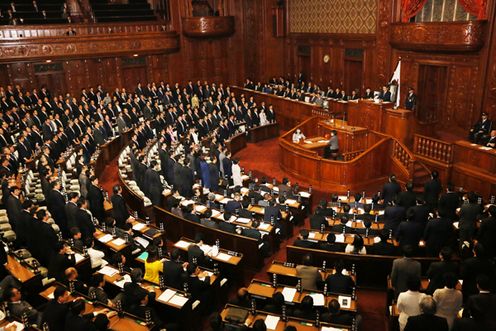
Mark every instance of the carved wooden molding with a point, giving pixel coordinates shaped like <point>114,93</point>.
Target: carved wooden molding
<point>438,36</point>
<point>86,45</point>
<point>208,26</point>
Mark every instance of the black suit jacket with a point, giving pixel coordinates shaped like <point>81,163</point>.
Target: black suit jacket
<point>436,273</point>
<point>304,243</point>
<point>339,283</point>
<point>96,199</point>
<point>389,191</point>
<point>119,211</point>
<point>58,264</point>
<point>79,323</point>
<point>56,206</point>
<point>55,315</point>
<point>71,210</point>
<point>174,274</point>
<point>85,224</point>
<point>426,322</point>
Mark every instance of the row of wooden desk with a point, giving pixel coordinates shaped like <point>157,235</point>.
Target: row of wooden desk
<point>253,135</point>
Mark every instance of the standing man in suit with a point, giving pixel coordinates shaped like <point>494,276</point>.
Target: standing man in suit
<point>309,275</point>
<point>57,309</point>
<point>14,206</point>
<point>119,209</point>
<point>71,209</point>
<point>153,183</point>
<point>411,100</point>
<point>469,213</point>
<point>390,189</point>
<point>56,207</point>
<point>404,268</point>
<point>85,221</point>
<point>449,202</point>
<point>96,199</point>
<point>427,321</point>
<point>483,302</point>
<point>385,95</point>
<point>432,189</point>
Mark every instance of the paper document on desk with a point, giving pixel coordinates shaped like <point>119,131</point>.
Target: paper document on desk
<point>264,226</point>
<point>288,294</point>
<point>105,239</point>
<point>311,235</point>
<point>78,257</point>
<point>344,301</point>
<point>138,226</point>
<point>187,202</point>
<point>223,257</point>
<point>243,220</point>
<point>182,244</point>
<point>330,328</point>
<point>219,197</point>
<point>206,249</point>
<point>304,194</point>
<point>124,280</point>
<point>119,242</point>
<point>142,241</point>
<point>340,238</point>
<point>485,148</point>
<point>271,322</point>
<point>166,295</point>
<point>216,213</point>
<point>108,271</point>
<point>178,300</point>
<point>308,142</point>
<point>200,208</point>
<point>290,201</point>
<point>342,198</point>
<point>349,224</point>
<point>318,299</point>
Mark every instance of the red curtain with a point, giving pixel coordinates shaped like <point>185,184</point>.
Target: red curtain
<point>475,7</point>
<point>410,8</point>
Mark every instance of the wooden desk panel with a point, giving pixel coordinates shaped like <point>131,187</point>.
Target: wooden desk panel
<point>263,132</point>
<point>236,143</point>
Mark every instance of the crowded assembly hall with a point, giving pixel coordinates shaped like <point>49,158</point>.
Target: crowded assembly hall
<point>231,165</point>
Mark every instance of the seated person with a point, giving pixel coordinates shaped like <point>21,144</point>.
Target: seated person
<point>196,286</point>
<point>195,254</point>
<point>242,299</point>
<point>330,244</point>
<point>342,227</point>
<point>234,205</point>
<point>303,241</point>
<point>339,282</point>
<point>309,275</point>
<point>335,315</point>
<point>208,221</point>
<point>298,136</point>
<point>383,247</point>
<point>133,292</point>
<point>173,270</point>
<point>305,309</point>
<point>96,256</point>
<point>317,220</point>
<point>492,139</point>
<point>19,307</point>
<point>76,320</point>
<point>153,266</point>
<point>140,310</point>
<point>96,291</point>
<point>479,134</point>
<point>357,247</point>
<point>71,276</point>
<point>57,309</point>
<point>59,262</point>
<point>275,303</point>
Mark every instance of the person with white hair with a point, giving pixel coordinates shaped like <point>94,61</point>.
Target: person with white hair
<point>298,136</point>
<point>427,320</point>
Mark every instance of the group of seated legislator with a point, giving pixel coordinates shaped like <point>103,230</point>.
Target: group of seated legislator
<point>300,90</point>
<point>455,226</point>
<point>483,132</point>
<point>33,120</point>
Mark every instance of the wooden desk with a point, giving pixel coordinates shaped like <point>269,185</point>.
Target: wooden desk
<point>280,269</point>
<point>110,244</point>
<point>19,271</point>
<point>124,323</point>
<point>184,243</point>
<point>236,143</point>
<point>474,168</point>
<point>263,132</point>
<point>265,290</point>
<point>301,325</point>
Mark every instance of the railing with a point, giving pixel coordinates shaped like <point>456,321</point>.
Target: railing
<point>433,149</point>
<point>321,112</point>
<point>58,30</point>
<point>404,157</point>
<point>351,155</point>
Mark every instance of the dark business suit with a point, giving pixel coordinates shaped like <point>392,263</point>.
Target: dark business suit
<point>174,274</point>
<point>71,210</point>
<point>403,269</point>
<point>85,224</point>
<point>96,200</point>
<point>468,215</point>
<point>58,264</point>
<point>339,283</point>
<point>153,186</point>
<point>54,315</point>
<point>426,322</point>
<point>119,211</point>
<point>436,273</point>
<point>432,189</point>
<point>56,206</point>
<point>389,191</point>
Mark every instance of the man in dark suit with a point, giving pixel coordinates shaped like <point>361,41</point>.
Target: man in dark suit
<point>197,287</point>
<point>432,189</point>
<point>410,231</point>
<point>57,309</point>
<point>119,209</point>
<point>317,221</point>
<point>56,206</point>
<point>302,240</point>
<point>469,213</point>
<point>487,232</point>
<point>14,206</point>
<point>64,259</point>
<point>479,133</point>
<point>437,270</point>
<point>411,100</point>
<point>407,198</point>
<point>153,184</point>
<point>71,209</point>
<point>427,321</point>
<point>449,202</point>
<point>383,247</point>
<point>195,254</point>
<point>96,199</point>
<point>133,292</point>
<point>385,95</point>
<point>483,303</point>
<point>472,268</point>
<point>235,204</point>
<point>173,270</point>
<point>438,233</point>
<point>76,320</point>
<point>339,283</point>
<point>330,244</point>
<point>390,189</point>
<point>393,216</point>
<point>335,315</point>
<point>404,268</point>
<point>84,220</point>
<point>19,308</point>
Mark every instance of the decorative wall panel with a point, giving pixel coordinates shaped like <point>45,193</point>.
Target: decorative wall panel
<point>332,16</point>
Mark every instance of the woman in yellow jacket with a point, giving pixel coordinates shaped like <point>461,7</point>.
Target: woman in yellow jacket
<point>153,266</point>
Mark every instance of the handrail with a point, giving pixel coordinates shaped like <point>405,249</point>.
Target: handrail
<point>432,148</point>
<point>403,155</point>
<point>77,29</point>
<point>351,155</point>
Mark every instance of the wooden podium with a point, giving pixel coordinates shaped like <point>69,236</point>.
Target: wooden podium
<point>381,117</point>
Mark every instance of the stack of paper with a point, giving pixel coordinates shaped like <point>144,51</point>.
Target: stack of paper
<point>138,226</point>
<point>330,328</point>
<point>304,194</point>
<point>78,257</point>
<point>318,299</point>
<point>178,300</point>
<point>243,220</point>
<point>124,280</point>
<point>288,294</point>
<point>264,226</point>
<point>108,271</point>
<point>377,240</point>
<point>166,295</point>
<point>290,201</point>
<point>271,322</point>
<point>182,244</point>
<point>118,242</point>
<point>206,248</point>
<point>105,239</point>
<point>200,209</point>
<point>340,238</point>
